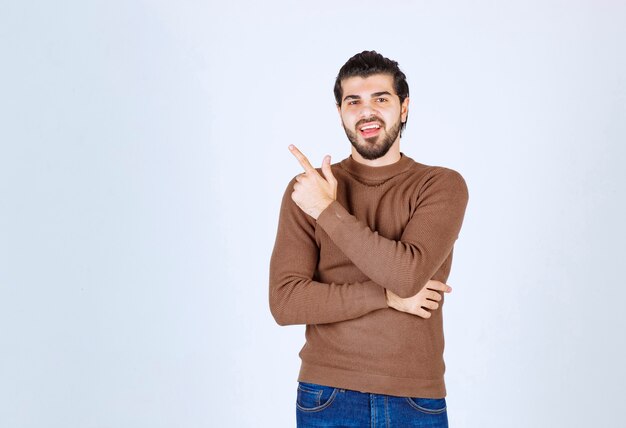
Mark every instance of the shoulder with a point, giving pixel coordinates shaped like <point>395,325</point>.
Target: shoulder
<point>439,178</point>
<point>448,174</point>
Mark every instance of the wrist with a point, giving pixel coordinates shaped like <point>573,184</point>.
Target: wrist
<point>392,300</point>
<point>395,302</point>
<point>321,207</point>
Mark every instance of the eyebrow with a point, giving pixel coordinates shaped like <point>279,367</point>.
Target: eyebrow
<point>378,94</point>
<point>374,95</point>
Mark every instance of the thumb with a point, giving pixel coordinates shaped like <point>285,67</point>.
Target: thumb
<point>328,173</point>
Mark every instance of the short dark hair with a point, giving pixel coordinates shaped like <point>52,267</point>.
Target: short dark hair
<point>368,63</point>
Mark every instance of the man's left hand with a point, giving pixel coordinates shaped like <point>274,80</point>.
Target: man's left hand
<point>312,192</point>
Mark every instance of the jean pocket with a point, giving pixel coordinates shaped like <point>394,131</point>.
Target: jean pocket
<point>431,406</point>
<point>312,397</point>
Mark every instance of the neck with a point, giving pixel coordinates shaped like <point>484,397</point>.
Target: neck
<point>391,157</point>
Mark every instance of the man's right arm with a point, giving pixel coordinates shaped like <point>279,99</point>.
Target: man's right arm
<point>295,298</point>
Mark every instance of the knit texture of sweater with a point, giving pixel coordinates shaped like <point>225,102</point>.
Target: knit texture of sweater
<point>391,227</point>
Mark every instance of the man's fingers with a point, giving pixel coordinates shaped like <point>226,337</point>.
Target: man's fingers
<point>433,295</point>
<point>304,162</point>
<point>328,173</point>
<point>423,313</point>
<point>429,304</point>
<point>438,286</point>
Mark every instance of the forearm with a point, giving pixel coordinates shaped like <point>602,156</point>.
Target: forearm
<point>303,301</point>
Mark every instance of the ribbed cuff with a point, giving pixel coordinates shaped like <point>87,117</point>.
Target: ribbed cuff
<point>332,217</point>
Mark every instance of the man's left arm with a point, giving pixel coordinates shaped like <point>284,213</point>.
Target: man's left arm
<point>402,266</point>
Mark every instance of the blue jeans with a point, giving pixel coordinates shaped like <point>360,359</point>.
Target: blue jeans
<point>326,406</point>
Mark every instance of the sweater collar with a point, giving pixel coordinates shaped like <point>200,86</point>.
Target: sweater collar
<point>377,173</point>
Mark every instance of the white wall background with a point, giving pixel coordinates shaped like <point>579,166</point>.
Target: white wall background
<point>143,157</point>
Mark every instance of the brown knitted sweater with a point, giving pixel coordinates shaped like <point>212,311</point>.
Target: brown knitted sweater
<point>391,227</point>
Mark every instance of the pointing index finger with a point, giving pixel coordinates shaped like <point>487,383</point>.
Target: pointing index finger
<point>304,162</point>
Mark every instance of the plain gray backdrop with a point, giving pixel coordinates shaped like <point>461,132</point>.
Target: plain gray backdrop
<point>144,154</point>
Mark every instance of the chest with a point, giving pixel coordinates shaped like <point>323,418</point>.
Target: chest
<point>385,209</point>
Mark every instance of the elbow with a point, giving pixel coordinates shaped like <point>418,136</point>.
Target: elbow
<point>282,322</point>
<point>286,303</point>
<point>283,319</point>
<point>406,293</point>
<point>279,316</point>
<point>410,277</point>
<point>277,309</point>
<point>410,286</point>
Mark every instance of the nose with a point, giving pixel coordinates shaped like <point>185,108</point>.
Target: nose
<point>367,110</point>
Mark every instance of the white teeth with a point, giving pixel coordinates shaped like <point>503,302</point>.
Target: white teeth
<point>365,128</point>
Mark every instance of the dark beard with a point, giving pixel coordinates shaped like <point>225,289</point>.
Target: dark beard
<point>373,149</point>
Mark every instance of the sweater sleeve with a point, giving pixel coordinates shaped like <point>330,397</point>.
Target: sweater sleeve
<point>295,298</point>
<point>406,265</point>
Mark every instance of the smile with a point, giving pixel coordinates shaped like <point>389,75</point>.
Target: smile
<point>369,130</point>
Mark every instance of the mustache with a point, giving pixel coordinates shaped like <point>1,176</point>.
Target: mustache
<point>369,120</point>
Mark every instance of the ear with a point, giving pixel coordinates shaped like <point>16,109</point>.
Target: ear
<point>404,112</point>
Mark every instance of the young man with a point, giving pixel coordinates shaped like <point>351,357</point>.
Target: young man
<point>362,253</point>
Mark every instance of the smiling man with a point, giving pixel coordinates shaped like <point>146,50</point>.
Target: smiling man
<point>362,254</point>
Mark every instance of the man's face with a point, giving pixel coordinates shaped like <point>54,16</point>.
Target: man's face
<point>371,114</point>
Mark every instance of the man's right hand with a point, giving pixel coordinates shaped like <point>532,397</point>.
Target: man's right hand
<point>420,304</point>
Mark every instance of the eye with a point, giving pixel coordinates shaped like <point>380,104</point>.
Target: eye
<point>381,100</point>
<point>353,102</point>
